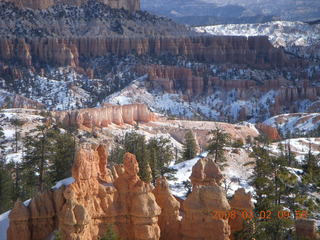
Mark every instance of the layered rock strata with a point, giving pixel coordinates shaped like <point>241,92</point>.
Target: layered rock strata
<point>254,51</point>
<point>193,82</point>
<point>130,5</point>
<point>104,116</point>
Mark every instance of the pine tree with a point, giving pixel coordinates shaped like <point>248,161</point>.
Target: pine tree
<point>189,146</point>
<point>217,143</point>
<point>62,155</point>
<point>17,127</point>
<point>5,188</point>
<point>48,157</point>
<point>311,169</point>
<point>37,154</point>
<point>276,189</point>
<point>161,154</point>
<point>155,154</point>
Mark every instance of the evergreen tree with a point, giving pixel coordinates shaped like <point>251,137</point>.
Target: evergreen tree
<point>116,154</point>
<point>1,138</point>
<point>17,127</point>
<point>276,189</point>
<point>62,155</point>
<point>161,155</point>
<point>217,143</point>
<point>5,188</point>
<point>153,156</point>
<point>311,169</point>
<point>36,161</point>
<point>189,146</point>
<point>48,157</point>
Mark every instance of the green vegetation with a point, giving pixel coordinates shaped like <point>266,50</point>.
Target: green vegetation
<point>216,145</point>
<point>277,189</point>
<point>154,154</point>
<point>48,153</point>
<point>189,146</point>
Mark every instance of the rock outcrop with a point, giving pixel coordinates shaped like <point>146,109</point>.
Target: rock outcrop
<point>306,229</point>
<point>198,222</point>
<point>169,222</point>
<point>86,208</point>
<point>131,5</point>
<point>254,51</point>
<point>102,117</point>
<point>19,223</point>
<point>242,204</point>
<point>138,209</point>
<point>193,82</point>
<point>270,132</point>
<point>207,197</point>
<point>38,220</point>
<point>206,173</point>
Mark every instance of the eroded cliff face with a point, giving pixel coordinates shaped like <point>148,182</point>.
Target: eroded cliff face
<point>96,200</point>
<point>253,51</point>
<point>131,5</point>
<point>99,198</point>
<point>104,116</point>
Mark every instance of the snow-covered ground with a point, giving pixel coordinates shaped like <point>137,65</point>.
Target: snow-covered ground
<point>299,146</point>
<point>29,119</point>
<point>281,33</point>
<point>236,174</point>
<point>295,123</point>
<point>219,106</point>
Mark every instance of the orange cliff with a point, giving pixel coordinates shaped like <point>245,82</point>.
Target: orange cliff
<point>255,51</point>
<point>99,198</point>
<point>104,116</point>
<point>96,200</point>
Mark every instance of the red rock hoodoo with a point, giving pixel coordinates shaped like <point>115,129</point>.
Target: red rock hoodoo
<point>98,199</point>
<point>307,228</point>
<point>94,201</point>
<point>169,222</point>
<point>206,198</point>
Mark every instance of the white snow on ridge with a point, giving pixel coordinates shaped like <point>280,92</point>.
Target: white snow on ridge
<point>295,122</point>
<point>184,170</point>
<point>280,33</point>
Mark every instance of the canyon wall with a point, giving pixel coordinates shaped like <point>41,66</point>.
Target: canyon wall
<point>171,79</point>
<point>253,51</point>
<point>102,117</point>
<point>200,82</point>
<point>131,5</point>
<point>98,199</point>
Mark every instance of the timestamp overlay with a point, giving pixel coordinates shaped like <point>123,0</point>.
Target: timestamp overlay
<point>261,215</point>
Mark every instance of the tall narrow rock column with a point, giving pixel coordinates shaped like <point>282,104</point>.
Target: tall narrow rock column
<point>200,221</point>
<point>169,222</point>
